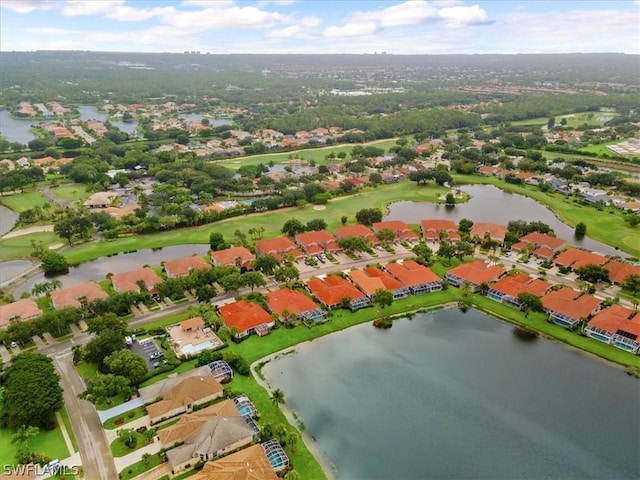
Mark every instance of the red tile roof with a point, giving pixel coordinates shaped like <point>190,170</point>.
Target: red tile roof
<point>576,258</point>
<point>289,300</point>
<point>496,232</point>
<point>126,282</point>
<point>244,315</point>
<point>617,318</point>
<point>332,289</point>
<point>190,324</point>
<point>431,229</point>
<point>619,271</point>
<point>412,273</point>
<point>22,309</point>
<point>184,266</point>
<point>371,279</point>
<point>278,247</point>
<point>321,238</point>
<point>513,285</point>
<point>542,239</point>
<point>355,231</point>
<point>567,302</point>
<point>229,256</point>
<point>400,228</point>
<point>68,297</point>
<point>477,272</point>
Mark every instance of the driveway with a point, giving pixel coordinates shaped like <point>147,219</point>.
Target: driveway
<point>120,409</point>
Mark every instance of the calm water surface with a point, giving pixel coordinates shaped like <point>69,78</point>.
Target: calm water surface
<point>12,268</point>
<point>460,396</point>
<point>490,204</point>
<point>8,219</point>
<point>16,130</point>
<point>88,112</point>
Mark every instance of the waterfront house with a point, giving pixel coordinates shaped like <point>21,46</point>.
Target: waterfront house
<point>287,303</point>
<point>176,395</point>
<point>543,245</point>
<point>278,247</point>
<point>77,296</point>
<point>619,271</point>
<point>617,326</point>
<point>494,231</point>
<point>184,266</point>
<point>234,256</point>
<point>22,310</point>
<point>433,230</point>
<point>130,281</point>
<point>507,289</point>
<point>247,317</point>
<point>574,258</point>
<point>415,276</point>
<point>372,279</point>
<point>567,308</point>
<point>250,463</point>
<point>316,242</point>
<point>475,273</point>
<point>401,230</point>
<point>332,289</point>
<point>357,231</point>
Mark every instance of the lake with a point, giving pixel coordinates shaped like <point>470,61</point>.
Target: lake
<point>8,219</point>
<point>99,268</point>
<point>16,130</point>
<point>213,122</point>
<point>13,268</point>
<point>452,395</point>
<point>490,204</point>
<point>89,112</point>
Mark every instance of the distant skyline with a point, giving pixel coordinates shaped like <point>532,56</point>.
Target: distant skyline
<point>322,26</point>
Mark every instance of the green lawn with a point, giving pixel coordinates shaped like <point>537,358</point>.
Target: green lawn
<point>369,197</point>
<point>602,226</point>
<point>139,467</point>
<point>20,247</point>
<point>119,449</point>
<point>23,201</point>
<point>600,149</point>
<point>67,424</point>
<point>71,192</point>
<point>51,443</point>
<point>137,413</point>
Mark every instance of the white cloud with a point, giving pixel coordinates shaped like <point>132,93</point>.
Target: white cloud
<point>302,29</point>
<point>224,18</point>
<point>412,12</point>
<point>207,3</point>
<point>73,8</point>
<point>464,15</point>
<point>27,6</point>
<point>351,30</point>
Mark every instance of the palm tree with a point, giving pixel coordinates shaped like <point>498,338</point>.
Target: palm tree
<point>466,289</point>
<point>147,458</point>
<point>24,433</point>
<point>277,397</point>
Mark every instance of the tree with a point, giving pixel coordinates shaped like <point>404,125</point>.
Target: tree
<point>375,178</point>
<point>423,252</point>
<point>593,273</point>
<point>441,177</point>
<point>316,224</point>
<point>103,345</point>
<point>292,227</point>
<point>420,176</point>
<point>24,433</point>
<point>530,301</point>
<point>146,457</point>
<point>450,200</point>
<point>632,219</point>
<point>447,249</point>
<point>265,264</point>
<point>353,244</point>
<point>277,397</point>
<point>253,280</point>
<point>383,297</point>
<point>632,283</point>
<point>217,241</point>
<point>343,220</point>
<point>286,274</point>
<point>368,216</point>
<point>127,364</point>
<point>32,393</point>
<point>107,322</point>
<point>551,123</point>
<point>231,282</point>
<point>465,225</point>
<point>53,263</point>
<point>104,387</point>
<point>385,235</point>
<point>128,437</point>
<point>581,230</point>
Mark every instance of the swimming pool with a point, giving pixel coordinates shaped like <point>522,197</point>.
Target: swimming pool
<point>190,348</point>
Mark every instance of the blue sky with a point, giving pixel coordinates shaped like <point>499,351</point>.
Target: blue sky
<point>322,26</point>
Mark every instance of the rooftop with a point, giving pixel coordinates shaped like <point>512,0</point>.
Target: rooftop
<point>244,315</point>
<point>411,273</point>
<point>372,279</point>
<point>542,239</point>
<point>232,256</point>
<point>289,300</point>
<point>22,309</point>
<point>332,289</point>
<point>515,284</point>
<point>354,231</point>
<point>495,231</point>
<point>127,281</point>
<point>247,464</point>
<point>184,266</point>
<point>477,272</point>
<point>619,271</point>
<point>77,295</point>
<point>617,318</point>
<point>576,258</point>
<point>567,301</point>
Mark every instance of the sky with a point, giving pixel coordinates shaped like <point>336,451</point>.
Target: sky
<point>322,26</point>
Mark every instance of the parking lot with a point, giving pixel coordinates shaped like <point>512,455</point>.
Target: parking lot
<point>148,350</point>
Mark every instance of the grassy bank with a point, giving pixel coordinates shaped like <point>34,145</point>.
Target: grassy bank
<point>71,192</point>
<point>23,201</point>
<point>20,247</point>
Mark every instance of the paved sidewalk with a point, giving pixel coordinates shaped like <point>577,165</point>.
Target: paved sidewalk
<point>112,433</point>
<point>120,409</point>
<point>123,462</point>
<point>65,434</point>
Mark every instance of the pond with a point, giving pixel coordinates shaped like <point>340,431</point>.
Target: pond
<point>213,122</point>
<point>123,262</point>
<point>452,395</point>
<point>88,112</point>
<point>490,204</point>
<point>13,268</point>
<point>8,219</point>
<point>16,130</point>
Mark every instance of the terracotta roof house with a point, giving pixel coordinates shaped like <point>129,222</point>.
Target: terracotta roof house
<point>475,273</point>
<point>619,271</point>
<point>432,229</point>
<point>372,279</point>
<point>213,439</point>
<point>250,463</point>
<point>545,246</point>
<point>234,256</point>
<point>127,281</point>
<point>496,232</point>
<point>77,295</point>
<point>331,289</point>
<point>575,258</point>
<point>507,289</point>
<point>278,247</point>
<point>192,324</point>
<point>100,200</point>
<point>180,394</point>
<point>295,303</point>
<point>317,242</point>
<point>617,326</point>
<point>400,228</point>
<point>184,266</point>
<point>22,310</point>
<point>415,276</point>
<point>567,308</point>
<point>247,317</point>
<point>356,231</point>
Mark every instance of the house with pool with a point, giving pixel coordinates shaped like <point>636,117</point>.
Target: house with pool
<point>192,336</point>
<point>372,279</point>
<point>417,277</point>
<point>257,462</point>
<point>474,273</point>
<point>294,306</point>
<point>507,289</point>
<point>247,318</point>
<point>568,307</point>
<point>542,245</point>
<point>617,326</point>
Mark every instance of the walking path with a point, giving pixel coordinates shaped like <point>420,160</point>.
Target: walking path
<point>120,409</point>
<point>112,433</point>
<point>65,434</point>
<point>28,230</point>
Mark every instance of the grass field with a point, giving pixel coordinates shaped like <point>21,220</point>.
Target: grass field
<point>600,149</point>
<point>20,247</point>
<point>139,412</point>
<point>119,449</point>
<point>369,197</point>
<point>51,443</point>
<point>139,467</point>
<point>573,119</point>
<point>23,201</point>
<point>71,192</point>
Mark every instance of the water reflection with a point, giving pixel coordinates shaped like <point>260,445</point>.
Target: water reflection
<point>16,130</point>
<point>88,112</point>
<point>490,204</point>
<point>12,269</point>
<point>8,219</point>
